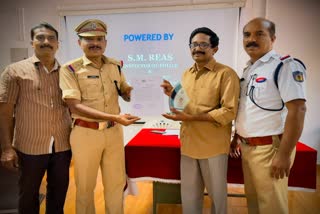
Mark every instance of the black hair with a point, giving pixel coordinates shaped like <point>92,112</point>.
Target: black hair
<point>214,39</point>
<point>43,25</point>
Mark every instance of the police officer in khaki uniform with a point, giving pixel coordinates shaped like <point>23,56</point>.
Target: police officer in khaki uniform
<point>91,86</point>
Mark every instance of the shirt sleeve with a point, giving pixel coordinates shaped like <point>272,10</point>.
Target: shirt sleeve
<point>292,81</point>
<point>124,85</point>
<point>69,84</point>
<point>9,87</point>
<point>229,98</point>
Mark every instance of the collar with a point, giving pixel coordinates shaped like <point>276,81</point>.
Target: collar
<point>87,61</point>
<point>56,65</point>
<point>266,57</point>
<point>36,61</point>
<point>209,66</point>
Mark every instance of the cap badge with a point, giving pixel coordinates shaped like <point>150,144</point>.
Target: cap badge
<point>93,26</point>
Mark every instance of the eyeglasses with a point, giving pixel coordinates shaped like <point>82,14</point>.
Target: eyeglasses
<point>202,45</point>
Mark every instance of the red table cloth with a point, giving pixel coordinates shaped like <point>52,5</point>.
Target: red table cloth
<point>157,157</point>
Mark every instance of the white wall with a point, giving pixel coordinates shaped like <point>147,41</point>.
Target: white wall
<point>298,32</point>
<point>297,24</point>
<point>18,16</point>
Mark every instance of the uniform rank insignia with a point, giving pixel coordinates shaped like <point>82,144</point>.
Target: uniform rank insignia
<point>298,76</point>
<point>71,68</point>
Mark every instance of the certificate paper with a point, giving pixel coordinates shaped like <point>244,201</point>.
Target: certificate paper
<point>146,95</point>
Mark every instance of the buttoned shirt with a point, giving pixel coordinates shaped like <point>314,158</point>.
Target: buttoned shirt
<point>40,113</point>
<point>253,121</point>
<point>94,87</point>
<point>214,90</point>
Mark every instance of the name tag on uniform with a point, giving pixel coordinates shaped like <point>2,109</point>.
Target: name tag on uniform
<point>93,77</point>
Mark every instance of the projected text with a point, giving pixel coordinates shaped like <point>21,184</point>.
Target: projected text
<point>143,37</point>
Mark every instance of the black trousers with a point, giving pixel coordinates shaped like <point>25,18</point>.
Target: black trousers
<point>32,169</point>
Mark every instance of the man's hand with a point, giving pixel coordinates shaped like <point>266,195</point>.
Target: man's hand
<point>126,119</point>
<point>280,166</point>
<point>9,159</point>
<point>235,147</point>
<point>167,87</point>
<point>177,115</point>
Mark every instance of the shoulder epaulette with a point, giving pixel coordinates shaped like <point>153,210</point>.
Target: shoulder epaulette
<point>74,65</point>
<point>71,68</point>
<point>114,61</point>
<point>283,60</point>
<point>118,63</point>
<point>284,57</point>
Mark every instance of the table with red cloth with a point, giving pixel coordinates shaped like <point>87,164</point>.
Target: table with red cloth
<point>157,156</point>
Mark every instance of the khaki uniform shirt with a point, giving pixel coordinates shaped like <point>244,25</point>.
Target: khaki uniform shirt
<point>213,90</point>
<point>94,87</point>
<point>39,111</point>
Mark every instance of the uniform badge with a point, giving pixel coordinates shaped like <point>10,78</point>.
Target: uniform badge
<point>298,76</point>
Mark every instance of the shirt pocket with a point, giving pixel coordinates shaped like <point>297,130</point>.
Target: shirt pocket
<point>260,90</point>
<point>90,86</point>
<point>207,97</point>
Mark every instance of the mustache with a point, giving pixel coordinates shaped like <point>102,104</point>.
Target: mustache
<point>252,44</point>
<point>95,47</point>
<point>198,52</point>
<point>46,46</point>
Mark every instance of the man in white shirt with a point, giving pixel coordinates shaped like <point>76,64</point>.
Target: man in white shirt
<point>270,119</point>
